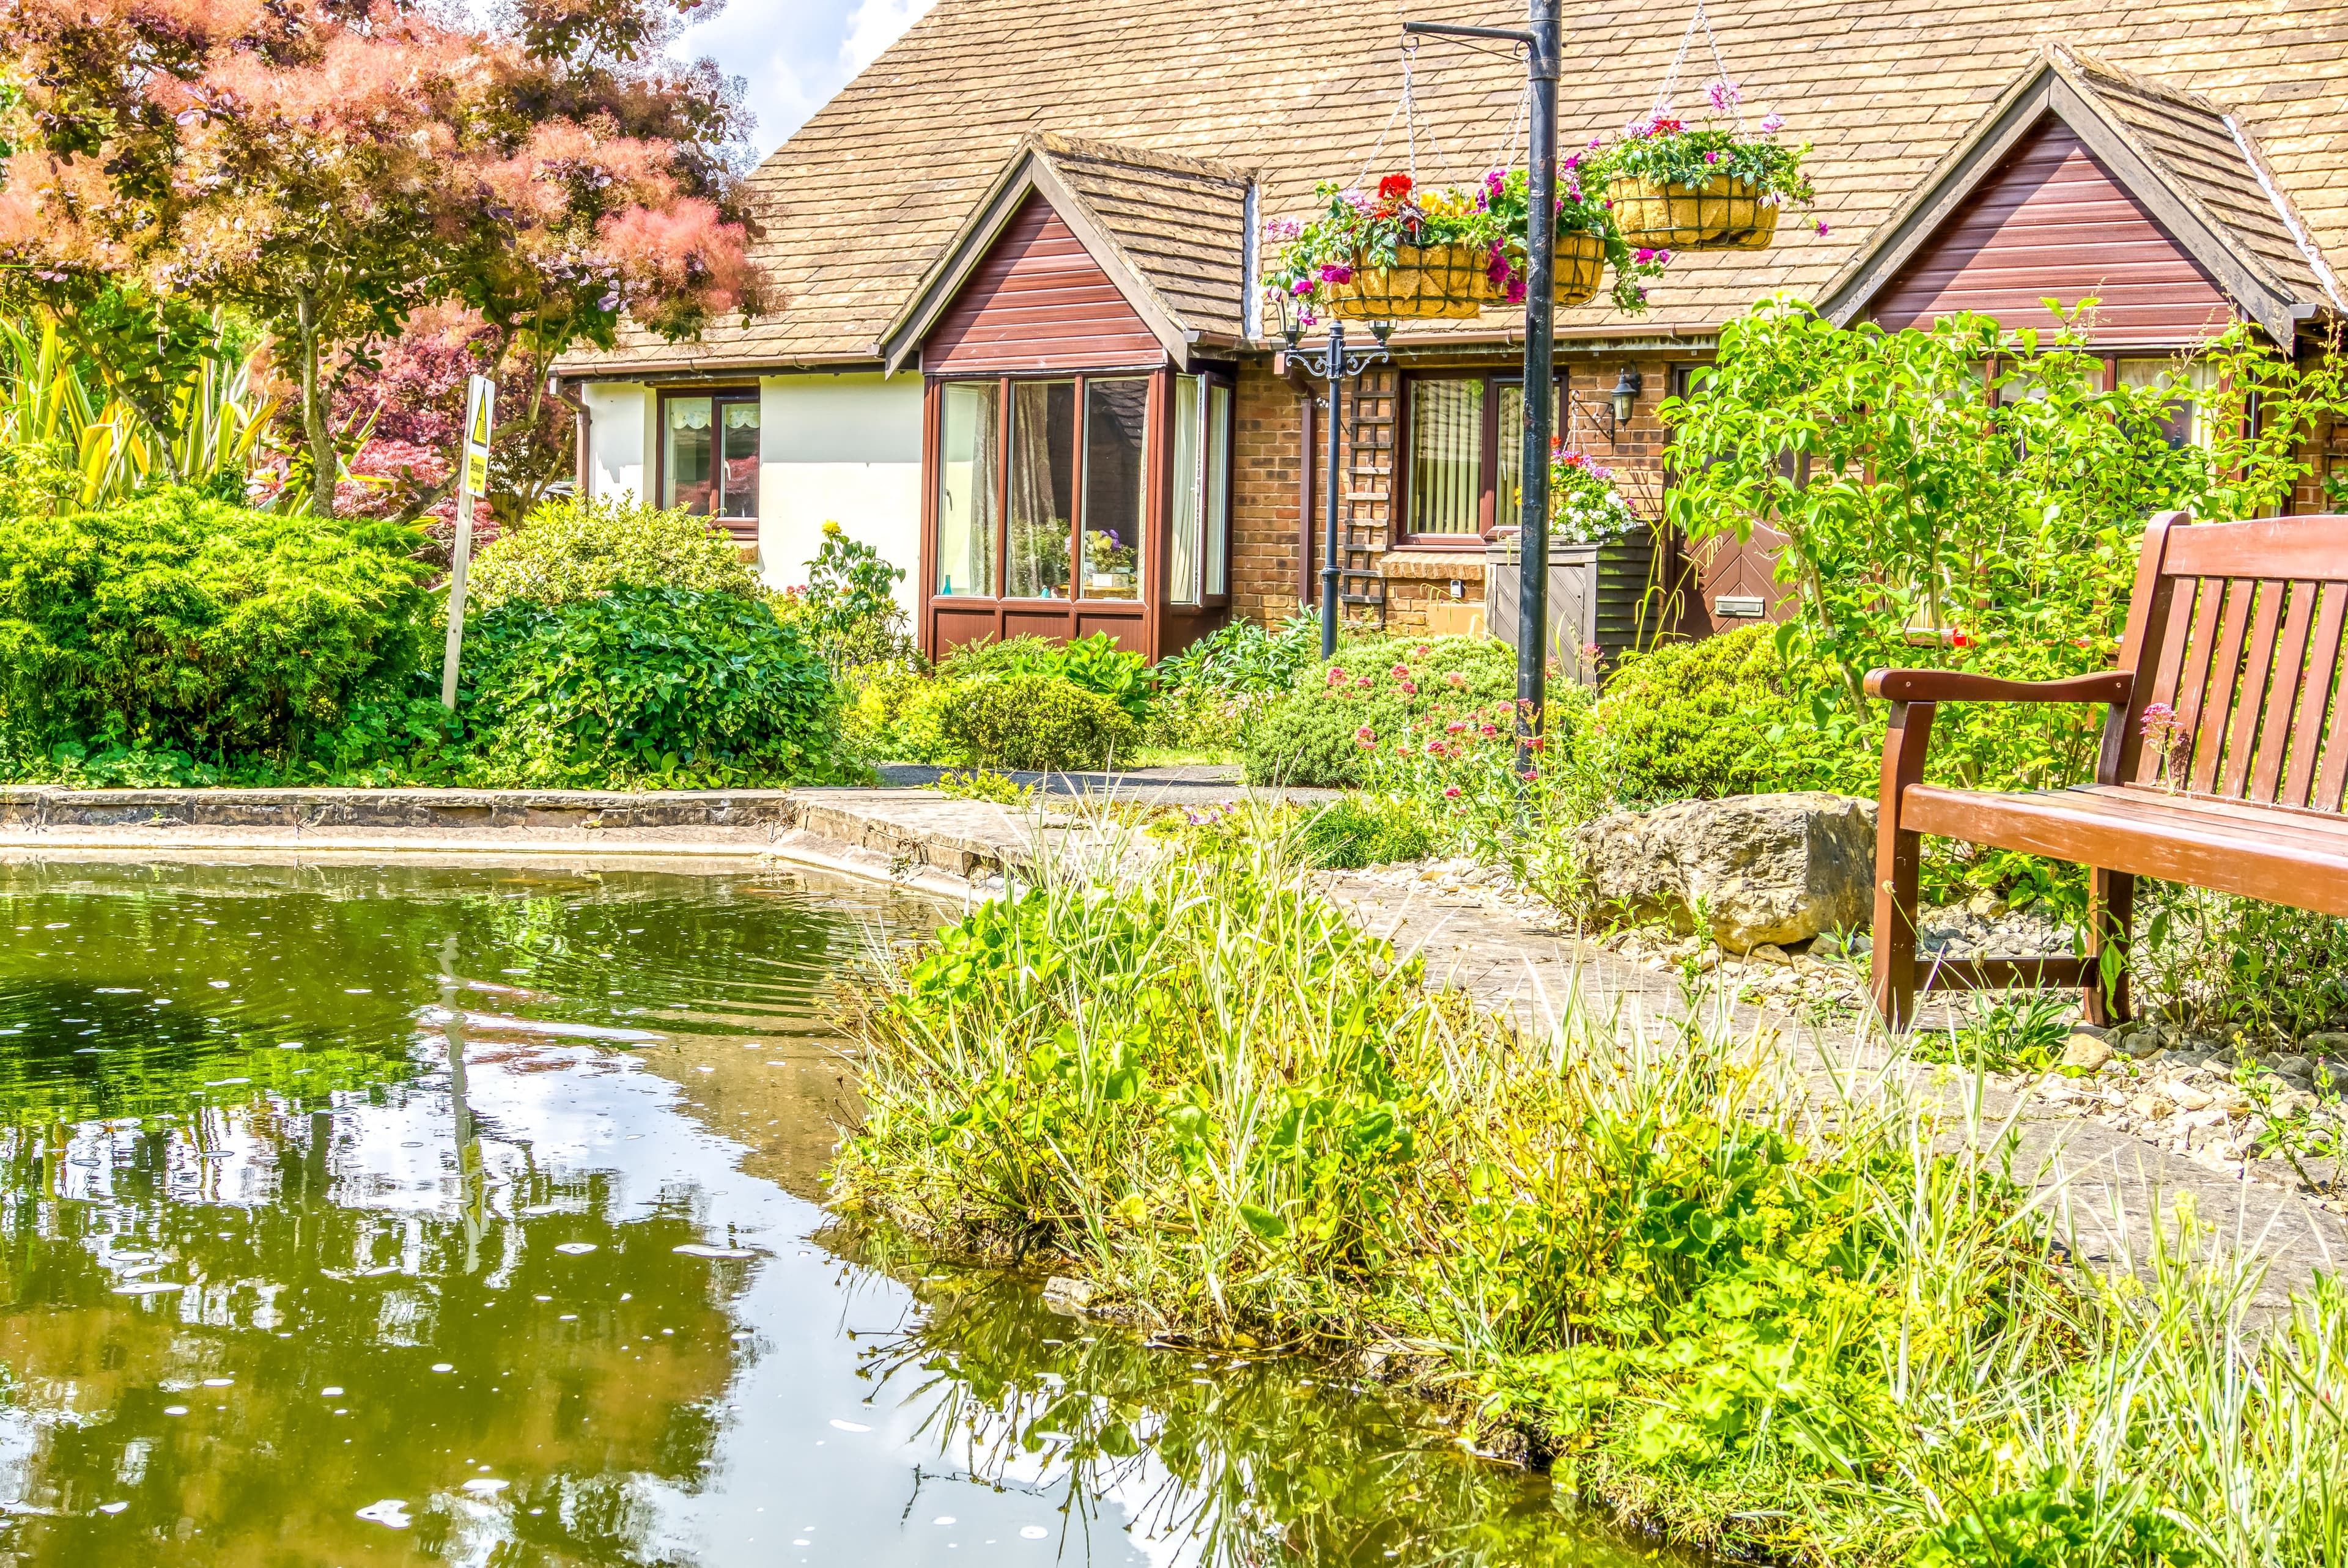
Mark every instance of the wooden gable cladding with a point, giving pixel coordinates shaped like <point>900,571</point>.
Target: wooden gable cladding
<point>1038,303</point>
<point>2052,222</point>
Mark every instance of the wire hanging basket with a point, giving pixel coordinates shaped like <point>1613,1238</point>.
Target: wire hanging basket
<point>1719,215</point>
<point>1427,282</point>
<point>1580,268</point>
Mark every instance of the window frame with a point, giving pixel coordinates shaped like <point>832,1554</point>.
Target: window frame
<point>1208,377</point>
<point>718,397</point>
<point>1487,523</point>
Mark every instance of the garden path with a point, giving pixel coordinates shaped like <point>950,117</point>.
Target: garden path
<point>2116,1182</point>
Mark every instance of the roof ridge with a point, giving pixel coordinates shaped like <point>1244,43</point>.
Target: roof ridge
<point>1060,145</point>
<point>2063,57</point>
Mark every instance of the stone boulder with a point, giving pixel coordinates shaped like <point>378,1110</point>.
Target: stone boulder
<point>1765,868</point>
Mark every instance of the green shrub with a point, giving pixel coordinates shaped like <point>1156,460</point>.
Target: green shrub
<point>651,686</point>
<point>1242,659</point>
<point>1365,830</point>
<point>177,622</point>
<point>1096,663</point>
<point>1320,732</point>
<point>848,606</point>
<point>1711,718</point>
<point>893,714</point>
<point>575,549</point>
<point>1038,722</point>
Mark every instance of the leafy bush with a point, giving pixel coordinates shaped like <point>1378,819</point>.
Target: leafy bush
<point>849,606</point>
<point>1711,718</point>
<point>177,622</point>
<point>576,549</point>
<point>652,686</point>
<point>1038,722</point>
<point>893,715</point>
<point>1365,830</point>
<point>1366,697</point>
<point>1096,663</point>
<point>1242,659</point>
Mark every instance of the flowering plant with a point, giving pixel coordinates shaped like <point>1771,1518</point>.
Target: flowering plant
<point>1582,501</point>
<point>1664,149</point>
<point>1579,211</point>
<point>1358,228</point>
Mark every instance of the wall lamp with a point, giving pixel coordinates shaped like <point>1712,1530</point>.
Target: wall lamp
<point>1625,395</point>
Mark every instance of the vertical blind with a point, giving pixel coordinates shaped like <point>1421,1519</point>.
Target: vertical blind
<point>1447,456</point>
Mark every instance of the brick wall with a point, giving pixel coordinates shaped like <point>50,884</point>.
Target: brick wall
<point>1266,496</point>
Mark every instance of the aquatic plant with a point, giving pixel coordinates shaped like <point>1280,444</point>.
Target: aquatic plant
<point>1766,1309</point>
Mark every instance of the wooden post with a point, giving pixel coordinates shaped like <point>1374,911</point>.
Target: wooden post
<point>472,483</point>
<point>1897,857</point>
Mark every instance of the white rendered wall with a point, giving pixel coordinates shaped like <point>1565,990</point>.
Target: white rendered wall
<point>620,438</point>
<point>846,449</point>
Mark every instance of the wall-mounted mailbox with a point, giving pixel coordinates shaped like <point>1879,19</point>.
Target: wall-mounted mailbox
<point>1740,606</point>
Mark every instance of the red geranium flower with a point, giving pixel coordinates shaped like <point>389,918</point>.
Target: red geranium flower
<point>1394,187</point>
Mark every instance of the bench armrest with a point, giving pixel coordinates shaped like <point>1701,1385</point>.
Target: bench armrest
<point>2113,686</point>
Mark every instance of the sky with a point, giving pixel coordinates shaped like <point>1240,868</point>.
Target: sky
<point>795,54</point>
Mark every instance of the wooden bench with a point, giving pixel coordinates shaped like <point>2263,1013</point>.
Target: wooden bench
<point>2236,629</point>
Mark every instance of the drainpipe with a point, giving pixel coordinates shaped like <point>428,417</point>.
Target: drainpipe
<point>584,426</point>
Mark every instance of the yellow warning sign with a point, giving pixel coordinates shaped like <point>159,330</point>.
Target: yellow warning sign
<point>480,417</point>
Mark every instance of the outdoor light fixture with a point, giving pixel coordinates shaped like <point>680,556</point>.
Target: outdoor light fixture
<point>1626,397</point>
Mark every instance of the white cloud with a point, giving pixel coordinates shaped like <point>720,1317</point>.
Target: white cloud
<point>875,25</point>
<point>794,54</point>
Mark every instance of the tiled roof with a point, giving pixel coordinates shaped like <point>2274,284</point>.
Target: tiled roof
<point>2196,144</point>
<point>860,202</point>
<point>1182,224</point>
<point>1171,230</point>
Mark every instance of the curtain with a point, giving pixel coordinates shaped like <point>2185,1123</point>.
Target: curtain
<point>1446,455</point>
<point>1040,538</point>
<point>1182,556</point>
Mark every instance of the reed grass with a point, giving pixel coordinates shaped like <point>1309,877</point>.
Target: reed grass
<point>1821,1318</point>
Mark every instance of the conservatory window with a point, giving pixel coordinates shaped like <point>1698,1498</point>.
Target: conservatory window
<point>1117,427</point>
<point>709,454</point>
<point>1198,562</point>
<point>969,445</point>
<point>1043,487</point>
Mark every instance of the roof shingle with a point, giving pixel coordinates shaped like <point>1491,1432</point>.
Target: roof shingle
<point>859,204</point>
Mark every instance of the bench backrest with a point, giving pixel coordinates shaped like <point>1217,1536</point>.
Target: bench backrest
<point>2236,629</point>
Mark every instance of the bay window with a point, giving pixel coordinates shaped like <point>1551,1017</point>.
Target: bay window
<point>1055,475</point>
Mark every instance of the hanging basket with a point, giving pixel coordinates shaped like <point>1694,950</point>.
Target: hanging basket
<point>1580,268</point>
<point>1445,283</point>
<point>1719,215</point>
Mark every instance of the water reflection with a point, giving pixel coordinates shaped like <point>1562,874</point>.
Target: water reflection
<point>470,1222</point>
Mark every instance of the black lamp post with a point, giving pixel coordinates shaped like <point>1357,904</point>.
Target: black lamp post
<point>1332,364</point>
<point>1543,44</point>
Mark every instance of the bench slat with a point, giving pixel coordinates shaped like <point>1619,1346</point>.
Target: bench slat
<point>2289,672</point>
<point>2193,676</point>
<point>2249,698</point>
<point>2308,869</point>
<point>2315,698</point>
<point>2314,548</point>
<point>2217,684</point>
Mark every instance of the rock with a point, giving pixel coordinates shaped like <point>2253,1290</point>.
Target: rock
<point>1064,1294</point>
<point>2329,1043</point>
<point>1826,946</point>
<point>2190,1097</point>
<point>1767,869</point>
<point>1769,953</point>
<point>2087,1050</point>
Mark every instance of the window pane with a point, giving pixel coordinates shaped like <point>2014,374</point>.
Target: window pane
<point>968,443</point>
<point>1117,427</point>
<point>739,495</point>
<point>1447,456</point>
<point>1508,502</point>
<point>1182,545</point>
<point>686,457</point>
<point>2186,425</point>
<point>1219,488</point>
<point>1043,484</point>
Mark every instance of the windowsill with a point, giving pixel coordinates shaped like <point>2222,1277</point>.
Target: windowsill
<point>1418,561</point>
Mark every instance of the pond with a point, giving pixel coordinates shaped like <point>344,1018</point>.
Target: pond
<point>471,1216</point>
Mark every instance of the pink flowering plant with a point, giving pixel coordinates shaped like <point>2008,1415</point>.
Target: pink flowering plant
<point>1664,149</point>
<point>1357,228</point>
<point>1583,503</point>
<point>1581,209</point>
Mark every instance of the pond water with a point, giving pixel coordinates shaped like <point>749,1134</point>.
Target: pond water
<point>471,1215</point>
